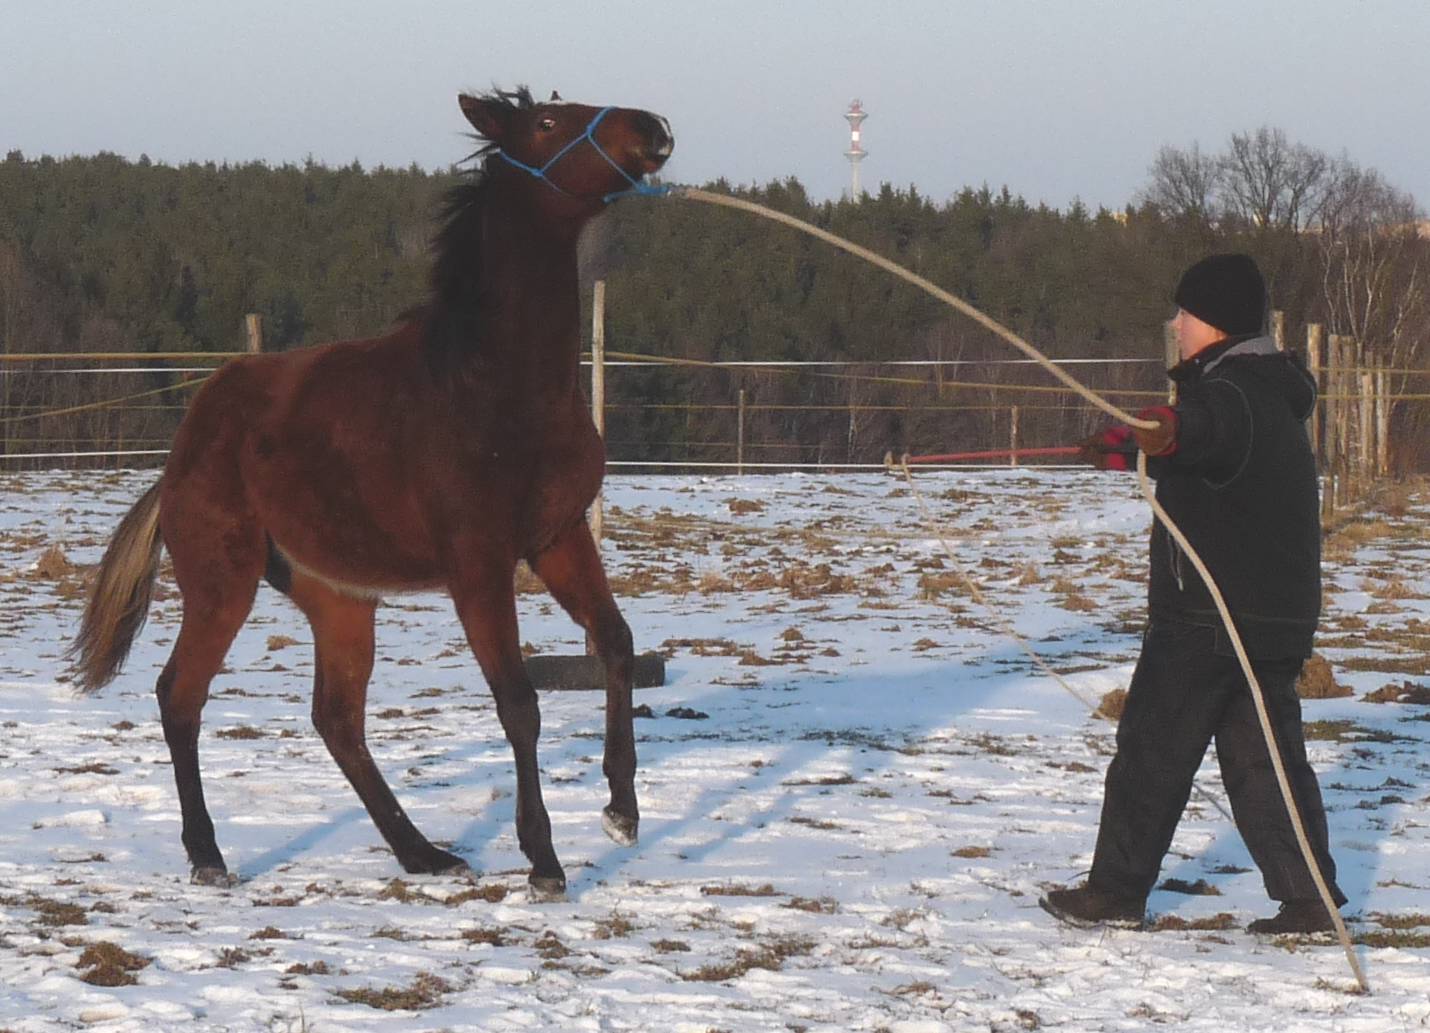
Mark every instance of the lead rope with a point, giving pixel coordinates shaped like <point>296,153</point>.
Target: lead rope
<point>1027,349</point>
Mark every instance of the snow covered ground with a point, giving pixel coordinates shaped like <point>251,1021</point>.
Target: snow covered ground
<point>848,829</point>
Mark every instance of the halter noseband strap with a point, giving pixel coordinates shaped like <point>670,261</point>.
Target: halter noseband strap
<point>589,136</point>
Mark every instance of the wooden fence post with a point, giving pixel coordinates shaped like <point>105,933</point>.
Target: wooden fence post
<point>1013,436</point>
<point>1278,329</point>
<point>598,390</point>
<point>740,435</point>
<point>253,325</point>
<point>1366,405</point>
<point>1314,335</point>
<point>1172,354</point>
<point>1330,419</point>
<point>1350,364</point>
<point>1345,426</point>
<point>1382,420</point>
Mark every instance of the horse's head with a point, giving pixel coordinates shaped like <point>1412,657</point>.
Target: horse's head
<point>584,154</point>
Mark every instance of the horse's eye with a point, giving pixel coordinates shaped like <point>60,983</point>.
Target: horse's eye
<point>546,124</point>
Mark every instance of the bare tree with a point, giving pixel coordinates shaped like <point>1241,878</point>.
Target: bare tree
<point>1272,183</point>
<point>1374,268</point>
<point>1185,183</point>
<point>1373,264</point>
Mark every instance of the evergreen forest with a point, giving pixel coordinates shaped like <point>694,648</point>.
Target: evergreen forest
<point>101,254</point>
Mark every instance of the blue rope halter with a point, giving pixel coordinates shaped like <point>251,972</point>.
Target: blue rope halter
<point>589,136</point>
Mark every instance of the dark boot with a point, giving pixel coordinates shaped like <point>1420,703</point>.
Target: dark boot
<point>1295,916</point>
<point>1086,907</point>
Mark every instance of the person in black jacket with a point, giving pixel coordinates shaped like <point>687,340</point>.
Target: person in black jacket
<point>1234,470</point>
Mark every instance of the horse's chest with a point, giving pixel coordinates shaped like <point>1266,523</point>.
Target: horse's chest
<point>565,478</point>
<point>545,479</point>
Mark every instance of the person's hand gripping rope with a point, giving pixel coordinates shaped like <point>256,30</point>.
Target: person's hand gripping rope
<point>1115,447</point>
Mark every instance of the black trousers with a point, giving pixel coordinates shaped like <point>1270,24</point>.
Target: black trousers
<point>1184,694</point>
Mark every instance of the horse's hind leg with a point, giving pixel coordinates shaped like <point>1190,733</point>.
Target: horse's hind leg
<point>218,575</point>
<point>571,569</point>
<point>486,605</point>
<point>343,640</point>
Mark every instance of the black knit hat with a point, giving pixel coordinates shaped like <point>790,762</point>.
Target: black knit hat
<point>1226,291</point>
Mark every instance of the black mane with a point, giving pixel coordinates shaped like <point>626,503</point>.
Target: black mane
<point>453,323</point>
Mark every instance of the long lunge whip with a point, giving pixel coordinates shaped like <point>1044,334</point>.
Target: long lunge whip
<point>955,302</point>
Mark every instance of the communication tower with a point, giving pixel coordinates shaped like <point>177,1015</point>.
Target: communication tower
<point>856,152</point>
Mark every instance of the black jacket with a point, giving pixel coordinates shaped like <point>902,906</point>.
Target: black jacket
<point>1242,486</point>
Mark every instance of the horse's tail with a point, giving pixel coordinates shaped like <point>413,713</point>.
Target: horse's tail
<point>119,602</point>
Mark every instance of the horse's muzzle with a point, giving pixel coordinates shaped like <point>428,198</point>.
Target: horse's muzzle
<point>659,140</point>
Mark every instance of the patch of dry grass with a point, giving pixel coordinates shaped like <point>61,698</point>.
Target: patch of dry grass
<point>1112,705</point>
<point>481,934</point>
<point>110,965</point>
<point>770,956</point>
<point>700,646</point>
<point>53,564</point>
<point>239,732</point>
<point>1404,939</point>
<point>1406,692</point>
<point>1410,921</point>
<point>425,991</point>
<point>1200,888</point>
<point>492,893</point>
<point>738,889</point>
<point>49,912</point>
<point>550,947</point>
<point>1390,589</point>
<point>823,780</point>
<point>815,823</point>
<point>1346,731</point>
<point>1413,665</point>
<point>813,905</point>
<point>617,927</point>
<point>1318,681</point>
<point>1070,597</point>
<point>1174,923</point>
<point>972,852</point>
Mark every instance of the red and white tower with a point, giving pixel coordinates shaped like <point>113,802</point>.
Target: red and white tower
<point>856,152</point>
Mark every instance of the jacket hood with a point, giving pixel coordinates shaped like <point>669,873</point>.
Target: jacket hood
<point>1282,370</point>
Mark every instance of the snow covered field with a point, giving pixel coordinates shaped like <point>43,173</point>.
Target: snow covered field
<point>846,827</point>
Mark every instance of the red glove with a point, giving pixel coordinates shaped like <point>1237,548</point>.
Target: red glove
<point>1109,449</point>
<point>1160,440</point>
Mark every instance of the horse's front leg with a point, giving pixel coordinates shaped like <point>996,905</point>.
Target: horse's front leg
<point>343,643</point>
<point>571,569</point>
<point>486,605</point>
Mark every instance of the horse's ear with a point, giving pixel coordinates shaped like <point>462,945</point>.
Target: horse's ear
<point>555,98</point>
<point>488,117</point>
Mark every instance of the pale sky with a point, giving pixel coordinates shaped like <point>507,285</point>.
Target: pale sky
<point>1057,99</point>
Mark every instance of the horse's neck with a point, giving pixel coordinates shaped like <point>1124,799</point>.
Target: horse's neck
<point>529,282</point>
<point>526,306</point>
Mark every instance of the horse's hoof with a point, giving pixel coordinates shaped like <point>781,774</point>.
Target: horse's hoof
<point>619,827</point>
<point>445,863</point>
<point>437,862</point>
<point>548,887</point>
<point>212,875</point>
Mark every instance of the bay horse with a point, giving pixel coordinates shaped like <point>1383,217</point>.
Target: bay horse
<point>435,457</point>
